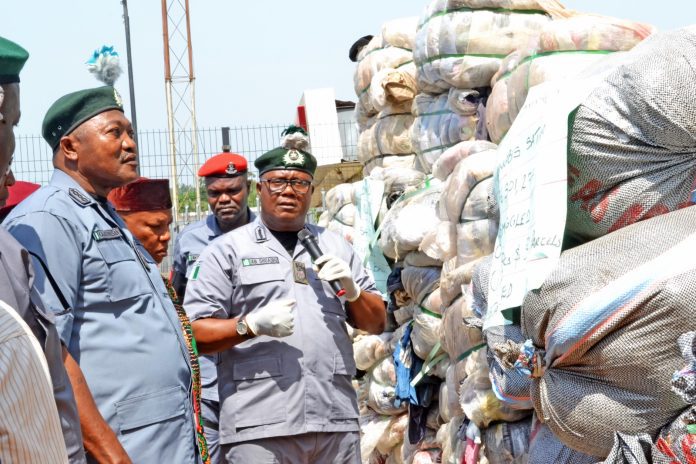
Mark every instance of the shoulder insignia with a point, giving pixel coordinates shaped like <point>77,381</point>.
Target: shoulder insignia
<point>260,234</point>
<point>191,258</point>
<point>78,197</point>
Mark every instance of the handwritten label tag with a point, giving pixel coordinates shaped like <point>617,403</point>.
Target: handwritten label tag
<point>531,188</point>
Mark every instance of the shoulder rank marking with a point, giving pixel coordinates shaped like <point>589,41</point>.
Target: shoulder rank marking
<point>78,197</point>
<point>260,234</point>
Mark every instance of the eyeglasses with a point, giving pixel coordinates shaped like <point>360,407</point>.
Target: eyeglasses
<point>277,185</point>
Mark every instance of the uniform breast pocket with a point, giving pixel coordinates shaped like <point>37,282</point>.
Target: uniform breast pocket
<point>270,275</point>
<point>258,399</point>
<point>126,277</point>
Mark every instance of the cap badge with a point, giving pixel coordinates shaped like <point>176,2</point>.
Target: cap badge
<point>117,98</point>
<point>231,169</point>
<point>293,157</point>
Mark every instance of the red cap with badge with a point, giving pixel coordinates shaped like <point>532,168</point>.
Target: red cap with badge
<point>224,165</point>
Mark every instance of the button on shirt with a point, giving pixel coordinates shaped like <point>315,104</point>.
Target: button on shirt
<point>188,246</point>
<point>114,315</point>
<point>268,386</point>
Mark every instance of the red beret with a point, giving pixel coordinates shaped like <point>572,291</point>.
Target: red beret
<point>142,195</point>
<point>224,165</point>
<point>18,192</point>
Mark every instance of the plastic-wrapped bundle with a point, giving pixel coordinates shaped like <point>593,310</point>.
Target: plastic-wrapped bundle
<point>368,349</point>
<point>451,444</point>
<point>443,121</point>
<point>393,133</point>
<point>633,142</point>
<point>420,259</point>
<point>394,89</point>
<point>441,242</point>
<point>602,342</point>
<point>339,196</point>
<point>508,442</point>
<point>545,5</point>
<point>377,55</point>
<point>449,395</point>
<point>563,50</point>
<point>409,220</point>
<point>429,442</point>
<point>372,428</point>
<point>419,282</point>
<point>463,183</point>
<point>464,48</point>
<point>400,32</point>
<point>460,333</point>
<point>393,435</point>
<point>451,157</point>
<point>347,232</point>
<point>454,278</point>
<point>404,314</point>
<point>384,372</point>
<point>324,219</point>
<point>398,179</point>
<point>426,331</point>
<point>367,145</point>
<point>475,240</point>
<point>476,398</point>
<point>381,398</point>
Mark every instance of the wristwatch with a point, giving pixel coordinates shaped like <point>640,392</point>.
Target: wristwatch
<point>243,328</point>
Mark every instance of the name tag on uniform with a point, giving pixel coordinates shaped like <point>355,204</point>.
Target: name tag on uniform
<point>260,261</point>
<point>108,234</point>
<point>299,272</point>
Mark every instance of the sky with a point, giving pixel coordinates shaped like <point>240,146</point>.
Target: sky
<point>252,60</point>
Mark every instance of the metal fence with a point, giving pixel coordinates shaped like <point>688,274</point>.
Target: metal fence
<point>33,157</point>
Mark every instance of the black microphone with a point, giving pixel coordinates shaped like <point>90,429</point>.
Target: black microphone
<point>309,242</point>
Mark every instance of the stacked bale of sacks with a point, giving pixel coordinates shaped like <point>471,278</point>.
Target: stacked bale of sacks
<point>459,46</point>
<point>385,85</point>
<point>563,49</point>
<point>339,215</point>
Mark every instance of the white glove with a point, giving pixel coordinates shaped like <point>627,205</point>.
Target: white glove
<point>334,268</point>
<point>276,319</point>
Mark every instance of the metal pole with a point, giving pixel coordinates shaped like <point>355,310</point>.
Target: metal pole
<point>194,126</point>
<point>131,85</point>
<point>170,116</point>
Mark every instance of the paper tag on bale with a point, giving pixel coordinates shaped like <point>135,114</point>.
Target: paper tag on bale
<point>531,188</point>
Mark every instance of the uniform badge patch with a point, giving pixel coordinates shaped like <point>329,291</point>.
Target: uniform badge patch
<point>260,261</point>
<point>108,234</point>
<point>299,272</point>
<point>196,270</point>
<point>293,157</point>
<point>231,169</point>
<point>191,258</point>
<point>78,197</point>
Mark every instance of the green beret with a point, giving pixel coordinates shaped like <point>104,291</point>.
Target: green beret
<point>73,109</point>
<point>12,59</point>
<point>286,158</point>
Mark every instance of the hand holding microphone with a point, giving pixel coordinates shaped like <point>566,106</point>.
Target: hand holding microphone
<point>333,268</point>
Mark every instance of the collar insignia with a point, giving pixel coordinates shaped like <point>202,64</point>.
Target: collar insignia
<point>293,157</point>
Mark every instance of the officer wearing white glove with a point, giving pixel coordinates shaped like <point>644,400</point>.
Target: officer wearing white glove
<point>277,319</point>
<point>331,268</point>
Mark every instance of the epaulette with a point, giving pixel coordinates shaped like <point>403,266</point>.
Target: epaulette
<point>78,197</point>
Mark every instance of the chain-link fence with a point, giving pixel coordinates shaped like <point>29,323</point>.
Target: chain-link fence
<point>33,158</point>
